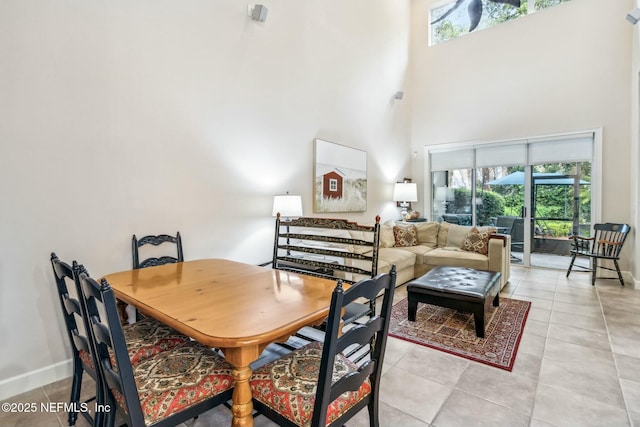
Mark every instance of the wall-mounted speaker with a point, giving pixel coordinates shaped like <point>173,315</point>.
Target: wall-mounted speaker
<point>259,13</point>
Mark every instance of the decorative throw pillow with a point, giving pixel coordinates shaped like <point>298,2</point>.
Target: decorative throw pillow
<point>477,241</point>
<point>405,235</point>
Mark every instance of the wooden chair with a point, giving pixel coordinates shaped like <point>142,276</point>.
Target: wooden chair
<point>82,355</point>
<point>136,244</point>
<point>605,244</point>
<point>127,311</point>
<point>318,385</point>
<point>162,390</point>
<point>144,339</point>
<point>329,248</point>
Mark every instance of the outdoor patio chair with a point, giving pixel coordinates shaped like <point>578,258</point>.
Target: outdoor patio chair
<point>605,244</point>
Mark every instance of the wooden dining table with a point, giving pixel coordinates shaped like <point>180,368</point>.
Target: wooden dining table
<point>236,307</point>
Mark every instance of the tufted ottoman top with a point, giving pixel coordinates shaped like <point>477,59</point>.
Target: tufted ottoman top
<point>462,281</point>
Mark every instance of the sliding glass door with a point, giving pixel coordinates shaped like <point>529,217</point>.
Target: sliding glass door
<point>536,190</point>
<point>560,207</point>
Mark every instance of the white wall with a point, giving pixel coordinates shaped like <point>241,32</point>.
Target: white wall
<point>565,68</point>
<point>154,116</point>
<point>635,151</point>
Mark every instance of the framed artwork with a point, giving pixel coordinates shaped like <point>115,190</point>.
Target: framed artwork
<point>340,178</point>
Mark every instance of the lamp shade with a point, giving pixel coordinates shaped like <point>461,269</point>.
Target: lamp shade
<point>405,192</point>
<point>287,205</point>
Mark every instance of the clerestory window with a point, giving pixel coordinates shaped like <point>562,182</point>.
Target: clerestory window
<point>454,18</point>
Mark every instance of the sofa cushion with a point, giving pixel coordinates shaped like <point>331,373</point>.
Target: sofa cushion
<point>456,235</point>
<point>386,235</point>
<point>405,235</point>
<point>361,235</point>
<point>428,233</point>
<point>421,251</point>
<point>477,241</point>
<point>401,257</point>
<point>456,257</point>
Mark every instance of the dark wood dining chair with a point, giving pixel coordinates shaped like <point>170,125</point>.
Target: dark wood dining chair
<point>82,357</point>
<point>330,248</point>
<point>162,390</point>
<point>152,258</point>
<point>318,385</point>
<point>605,244</point>
<point>156,240</point>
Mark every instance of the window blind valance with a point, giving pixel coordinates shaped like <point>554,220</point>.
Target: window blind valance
<point>451,160</point>
<point>533,151</point>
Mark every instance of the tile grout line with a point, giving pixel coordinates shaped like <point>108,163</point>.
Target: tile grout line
<point>615,360</point>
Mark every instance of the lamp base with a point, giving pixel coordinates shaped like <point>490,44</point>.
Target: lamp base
<point>405,206</point>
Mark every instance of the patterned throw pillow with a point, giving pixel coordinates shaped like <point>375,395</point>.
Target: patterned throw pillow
<point>478,241</point>
<point>405,236</point>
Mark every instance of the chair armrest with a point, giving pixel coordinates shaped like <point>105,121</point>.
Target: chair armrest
<point>576,237</point>
<point>500,256</point>
<point>609,243</point>
<point>502,237</point>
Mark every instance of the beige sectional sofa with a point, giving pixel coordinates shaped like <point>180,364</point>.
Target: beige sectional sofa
<point>439,244</point>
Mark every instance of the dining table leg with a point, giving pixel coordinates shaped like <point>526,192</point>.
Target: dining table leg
<point>241,404</point>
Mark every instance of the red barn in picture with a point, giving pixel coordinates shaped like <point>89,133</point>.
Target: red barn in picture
<point>332,184</point>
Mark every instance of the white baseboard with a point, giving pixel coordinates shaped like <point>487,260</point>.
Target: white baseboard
<point>28,381</point>
<point>630,279</point>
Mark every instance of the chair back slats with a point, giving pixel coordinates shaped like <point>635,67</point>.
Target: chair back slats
<point>109,337</point>
<point>330,249</point>
<point>327,248</point>
<point>605,244</point>
<point>608,239</point>
<point>359,334</point>
<point>78,331</point>
<point>352,381</point>
<point>374,331</point>
<point>156,240</point>
<point>81,342</point>
<point>341,386</point>
<point>71,307</point>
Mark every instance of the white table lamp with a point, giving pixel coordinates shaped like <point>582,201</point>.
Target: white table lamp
<point>405,193</point>
<point>288,206</point>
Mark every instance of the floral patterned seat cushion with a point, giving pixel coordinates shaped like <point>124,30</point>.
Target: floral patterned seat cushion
<point>288,385</point>
<point>177,379</point>
<point>85,356</point>
<point>149,337</point>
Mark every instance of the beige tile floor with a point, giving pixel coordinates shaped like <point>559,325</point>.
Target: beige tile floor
<point>578,365</point>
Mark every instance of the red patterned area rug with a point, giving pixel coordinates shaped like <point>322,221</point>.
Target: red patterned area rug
<point>454,332</point>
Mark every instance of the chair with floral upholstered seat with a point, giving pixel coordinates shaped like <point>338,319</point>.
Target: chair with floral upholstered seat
<point>144,339</point>
<point>154,258</point>
<point>162,390</point>
<point>317,385</point>
<point>150,251</point>
<point>82,357</point>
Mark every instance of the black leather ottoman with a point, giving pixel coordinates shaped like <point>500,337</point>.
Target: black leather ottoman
<point>460,288</point>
